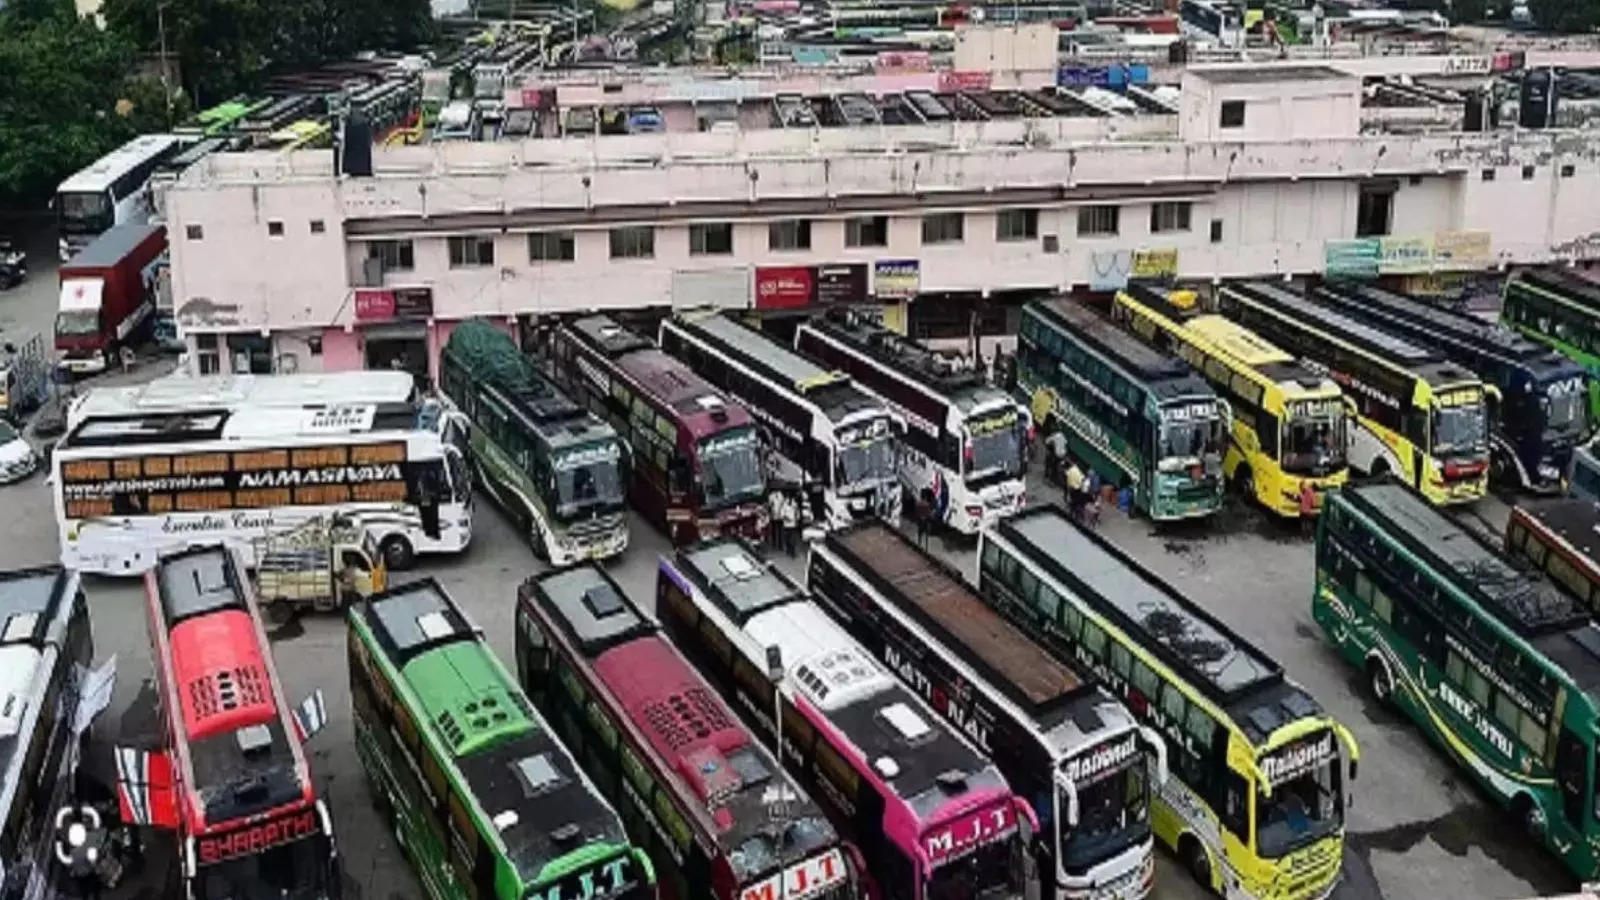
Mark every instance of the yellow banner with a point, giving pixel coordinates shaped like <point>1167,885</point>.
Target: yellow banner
<point>1461,249</point>
<point>1398,255</point>
<point>1155,263</point>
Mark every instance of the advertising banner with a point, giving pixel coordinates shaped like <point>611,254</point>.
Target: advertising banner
<point>1357,258</point>
<point>1405,255</point>
<point>1461,250</point>
<point>895,279</point>
<point>1155,263</point>
<point>784,287</point>
<point>841,283</point>
<point>950,81</point>
<point>374,305</point>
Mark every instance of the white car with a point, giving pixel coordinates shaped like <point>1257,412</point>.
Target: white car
<point>17,459</point>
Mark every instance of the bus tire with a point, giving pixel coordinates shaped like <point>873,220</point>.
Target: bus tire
<point>1379,682</point>
<point>1245,481</point>
<point>1197,861</point>
<point>1380,468</point>
<point>1528,815</point>
<point>536,540</point>
<point>398,553</point>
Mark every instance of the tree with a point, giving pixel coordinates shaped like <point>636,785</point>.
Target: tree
<point>58,99</point>
<point>1566,15</point>
<point>1468,11</point>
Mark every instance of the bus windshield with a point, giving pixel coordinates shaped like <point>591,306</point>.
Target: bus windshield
<point>995,444</point>
<point>1314,438</point>
<point>1305,804</point>
<point>1565,406</point>
<point>84,210</point>
<point>760,854</point>
<point>78,321</point>
<point>293,871</point>
<point>1191,433</point>
<point>588,480</point>
<point>1459,429</point>
<point>993,870</point>
<point>1113,814</point>
<point>866,456</point>
<point>730,467</point>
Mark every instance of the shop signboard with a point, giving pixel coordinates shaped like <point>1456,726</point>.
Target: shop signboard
<point>390,304</point>
<point>1155,263</point>
<point>374,305</point>
<point>896,279</point>
<point>951,81</point>
<point>841,283</point>
<point>1355,258</point>
<point>784,287</point>
<point>1405,255</point>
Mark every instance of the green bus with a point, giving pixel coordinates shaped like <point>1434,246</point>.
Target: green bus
<point>556,468</point>
<point>1140,418</point>
<point>482,798</point>
<point>1496,666</point>
<point>220,119</point>
<point>1560,310</point>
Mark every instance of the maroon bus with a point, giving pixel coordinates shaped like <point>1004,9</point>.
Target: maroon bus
<point>696,465</point>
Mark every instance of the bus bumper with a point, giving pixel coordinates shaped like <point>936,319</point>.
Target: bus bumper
<point>566,551</point>
<point>1119,878</point>
<point>85,365</point>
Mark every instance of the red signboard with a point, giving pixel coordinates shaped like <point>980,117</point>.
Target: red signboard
<point>784,287</point>
<point>374,305</point>
<point>259,837</point>
<point>949,840</point>
<point>903,61</point>
<point>964,81</point>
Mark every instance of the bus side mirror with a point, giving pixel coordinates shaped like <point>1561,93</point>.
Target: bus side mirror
<point>1353,767</point>
<point>1160,747</point>
<point>1071,790</point>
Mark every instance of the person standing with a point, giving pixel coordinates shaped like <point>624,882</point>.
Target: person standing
<point>1074,488</point>
<point>1055,453</point>
<point>774,516</point>
<point>923,513</point>
<point>1308,508</point>
<point>791,522</point>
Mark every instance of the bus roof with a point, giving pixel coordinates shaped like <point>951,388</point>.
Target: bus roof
<point>1194,644</point>
<point>735,787</point>
<point>1525,603</point>
<point>1452,331</point>
<point>1419,361</point>
<point>175,393</point>
<point>100,174</point>
<point>1572,287</point>
<point>113,245</point>
<point>1167,376</point>
<point>525,787</point>
<point>700,406</point>
<point>30,604</point>
<point>943,604</point>
<point>237,742</point>
<point>1575,520</point>
<point>488,355</point>
<point>832,392</point>
<point>242,422</point>
<point>962,387</point>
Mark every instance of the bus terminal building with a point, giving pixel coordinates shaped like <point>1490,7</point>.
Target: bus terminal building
<point>280,264</point>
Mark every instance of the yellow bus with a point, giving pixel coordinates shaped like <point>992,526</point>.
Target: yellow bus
<point>1255,803</point>
<point>1421,417</point>
<point>305,134</point>
<point>1288,422</point>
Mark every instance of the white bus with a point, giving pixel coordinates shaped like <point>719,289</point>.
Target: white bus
<point>964,438</point>
<point>825,434</point>
<point>183,461</point>
<point>114,190</point>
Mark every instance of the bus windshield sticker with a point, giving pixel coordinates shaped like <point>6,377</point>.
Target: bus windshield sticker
<point>955,839</point>
<point>1316,409</point>
<point>1087,768</point>
<point>608,452</point>
<point>992,422</point>
<point>806,878</point>
<point>1297,759</point>
<point>862,434</point>
<point>1461,397</point>
<point>1189,412</point>
<point>729,442</point>
<point>341,419</point>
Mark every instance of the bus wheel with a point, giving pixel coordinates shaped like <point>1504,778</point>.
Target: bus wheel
<point>397,553</point>
<point>536,540</point>
<point>1380,468</point>
<point>1528,815</point>
<point>1196,861</point>
<point>1245,481</point>
<point>1379,682</point>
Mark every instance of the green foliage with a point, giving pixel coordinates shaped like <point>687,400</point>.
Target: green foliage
<point>1566,15</point>
<point>62,78</point>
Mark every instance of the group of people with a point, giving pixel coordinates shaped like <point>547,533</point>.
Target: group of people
<point>784,516</point>
<point>1083,484</point>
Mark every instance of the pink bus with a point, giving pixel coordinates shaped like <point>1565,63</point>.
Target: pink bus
<point>932,813</point>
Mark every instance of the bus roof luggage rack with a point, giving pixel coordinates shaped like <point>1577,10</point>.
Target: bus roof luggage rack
<point>1574,287</point>
<point>1146,362</point>
<point>1440,319</point>
<point>933,368</point>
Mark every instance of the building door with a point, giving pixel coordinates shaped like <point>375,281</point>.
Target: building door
<point>403,348</point>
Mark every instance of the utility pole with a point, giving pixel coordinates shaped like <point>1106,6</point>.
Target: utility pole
<point>166,82</point>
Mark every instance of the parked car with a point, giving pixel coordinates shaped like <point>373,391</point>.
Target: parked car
<point>17,459</point>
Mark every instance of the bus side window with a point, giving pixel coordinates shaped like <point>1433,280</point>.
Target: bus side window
<point>1234,810</point>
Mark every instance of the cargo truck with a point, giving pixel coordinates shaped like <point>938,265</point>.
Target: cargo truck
<point>324,563</point>
<point>108,296</point>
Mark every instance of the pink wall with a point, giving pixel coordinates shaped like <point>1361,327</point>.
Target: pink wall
<point>342,351</point>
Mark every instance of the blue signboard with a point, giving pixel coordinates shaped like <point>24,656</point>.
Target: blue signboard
<point>1114,75</point>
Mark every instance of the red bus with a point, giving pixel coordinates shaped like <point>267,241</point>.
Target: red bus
<point>1560,536</point>
<point>712,807</point>
<point>696,465</point>
<point>932,813</point>
<point>233,782</point>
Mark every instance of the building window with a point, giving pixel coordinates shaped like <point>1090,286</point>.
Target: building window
<point>194,232</point>
<point>1169,216</point>
<point>1233,114</point>
<point>318,226</point>
<point>468,250</point>
<point>392,256</point>
<point>274,229</point>
<point>1527,173</point>
<point>711,239</point>
<point>944,228</point>
<point>1374,210</point>
<point>1098,221</point>
<point>550,246</point>
<point>1016,225</point>
<point>1488,174</point>
<point>866,231</point>
<point>1216,231</point>
<point>633,242</point>
<point>789,234</point>
<point>206,355</point>
<point>1567,170</point>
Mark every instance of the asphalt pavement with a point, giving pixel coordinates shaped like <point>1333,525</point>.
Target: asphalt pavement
<point>1417,831</point>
